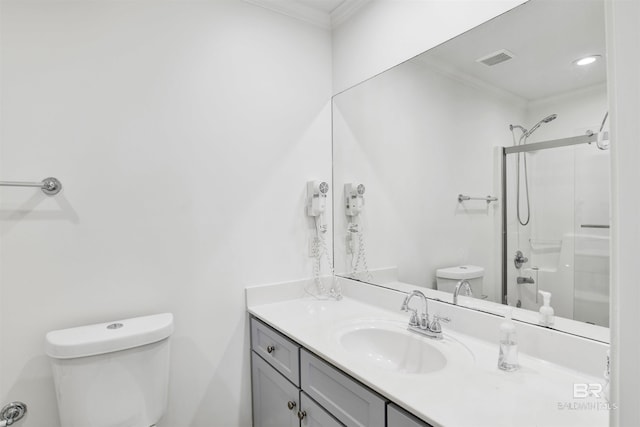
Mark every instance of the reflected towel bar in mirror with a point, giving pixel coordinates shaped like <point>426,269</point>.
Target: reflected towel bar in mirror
<point>49,186</point>
<point>488,199</point>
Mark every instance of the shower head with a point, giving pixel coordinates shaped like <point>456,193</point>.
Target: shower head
<point>547,119</point>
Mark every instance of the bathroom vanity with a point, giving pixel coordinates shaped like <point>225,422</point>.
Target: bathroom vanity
<point>352,362</point>
<point>288,380</point>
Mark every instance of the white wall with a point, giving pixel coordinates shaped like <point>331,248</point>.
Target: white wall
<point>387,32</point>
<point>183,133</point>
<point>417,138</point>
<point>623,69</point>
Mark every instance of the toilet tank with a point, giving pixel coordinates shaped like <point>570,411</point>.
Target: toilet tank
<point>448,278</point>
<point>113,374</point>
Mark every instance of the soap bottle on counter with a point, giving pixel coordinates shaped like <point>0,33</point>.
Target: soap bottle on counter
<point>546,311</point>
<point>508,357</point>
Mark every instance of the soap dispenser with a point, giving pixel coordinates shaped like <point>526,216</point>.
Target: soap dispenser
<point>546,311</point>
<point>508,358</point>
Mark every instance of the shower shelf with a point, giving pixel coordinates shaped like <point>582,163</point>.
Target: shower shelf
<point>537,244</point>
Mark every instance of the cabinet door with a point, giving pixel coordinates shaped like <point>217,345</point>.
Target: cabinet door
<point>272,395</point>
<point>315,415</point>
<point>346,399</point>
<point>397,417</point>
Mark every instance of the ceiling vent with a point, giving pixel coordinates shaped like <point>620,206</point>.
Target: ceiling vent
<point>496,57</point>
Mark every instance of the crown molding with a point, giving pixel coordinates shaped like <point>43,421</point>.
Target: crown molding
<point>296,10</point>
<point>313,16</point>
<point>346,10</point>
<point>454,74</point>
<point>568,95</point>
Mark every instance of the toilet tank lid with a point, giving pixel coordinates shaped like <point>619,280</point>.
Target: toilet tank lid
<point>108,337</point>
<point>460,272</point>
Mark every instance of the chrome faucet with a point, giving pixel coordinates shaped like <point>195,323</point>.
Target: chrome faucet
<point>416,320</point>
<point>462,284</point>
<point>419,323</point>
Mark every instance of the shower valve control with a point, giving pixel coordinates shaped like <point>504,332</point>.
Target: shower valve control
<point>519,259</point>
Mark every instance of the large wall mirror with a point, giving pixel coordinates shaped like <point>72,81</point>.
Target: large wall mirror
<point>485,159</point>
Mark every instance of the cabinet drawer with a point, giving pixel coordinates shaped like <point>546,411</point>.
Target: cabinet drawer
<point>315,415</point>
<point>282,353</point>
<point>349,401</point>
<point>398,417</point>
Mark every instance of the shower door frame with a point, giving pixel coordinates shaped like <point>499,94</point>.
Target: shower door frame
<point>525,148</point>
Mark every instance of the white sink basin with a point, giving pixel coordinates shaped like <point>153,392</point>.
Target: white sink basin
<point>388,345</point>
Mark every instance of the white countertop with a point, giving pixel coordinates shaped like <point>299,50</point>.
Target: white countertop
<point>469,391</point>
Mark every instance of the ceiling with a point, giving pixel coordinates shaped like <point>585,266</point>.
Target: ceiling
<point>546,37</point>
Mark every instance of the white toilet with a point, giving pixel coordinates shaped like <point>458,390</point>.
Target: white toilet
<point>448,278</point>
<point>112,374</point>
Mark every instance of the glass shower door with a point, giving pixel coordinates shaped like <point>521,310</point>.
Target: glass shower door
<point>566,240</point>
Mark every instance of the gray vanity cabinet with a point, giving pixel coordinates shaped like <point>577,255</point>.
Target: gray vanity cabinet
<point>346,399</point>
<point>397,417</point>
<point>292,387</point>
<point>280,351</point>
<point>273,395</point>
<point>315,415</point>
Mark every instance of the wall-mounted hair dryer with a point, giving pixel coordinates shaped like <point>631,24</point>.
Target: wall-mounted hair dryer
<point>354,199</point>
<point>317,192</point>
<point>316,197</point>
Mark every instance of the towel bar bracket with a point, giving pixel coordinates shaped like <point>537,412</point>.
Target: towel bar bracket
<point>49,186</point>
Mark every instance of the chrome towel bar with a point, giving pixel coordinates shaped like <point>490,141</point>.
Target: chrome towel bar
<point>49,186</point>
<point>488,199</point>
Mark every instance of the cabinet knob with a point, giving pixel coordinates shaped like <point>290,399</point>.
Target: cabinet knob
<point>291,404</point>
<point>302,415</point>
<point>271,349</point>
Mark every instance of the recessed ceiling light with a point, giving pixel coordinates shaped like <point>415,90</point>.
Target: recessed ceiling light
<point>587,60</point>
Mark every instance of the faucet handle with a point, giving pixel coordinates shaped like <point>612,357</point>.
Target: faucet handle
<point>413,320</point>
<point>435,326</point>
